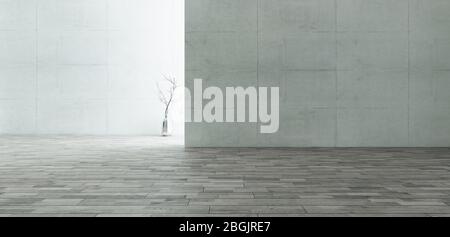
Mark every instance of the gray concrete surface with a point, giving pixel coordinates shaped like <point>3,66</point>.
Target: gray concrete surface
<point>352,73</point>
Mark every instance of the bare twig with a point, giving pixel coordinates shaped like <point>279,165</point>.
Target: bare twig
<point>166,97</point>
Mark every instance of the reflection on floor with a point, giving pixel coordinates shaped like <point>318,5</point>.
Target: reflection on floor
<point>154,176</point>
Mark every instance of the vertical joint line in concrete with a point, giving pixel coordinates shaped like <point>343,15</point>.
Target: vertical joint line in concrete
<point>409,72</point>
<point>107,68</point>
<point>336,74</point>
<point>36,64</point>
<point>257,59</point>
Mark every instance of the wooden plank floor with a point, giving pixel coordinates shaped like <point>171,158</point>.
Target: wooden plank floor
<point>153,176</point>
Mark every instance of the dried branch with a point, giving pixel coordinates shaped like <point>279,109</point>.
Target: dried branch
<point>166,97</point>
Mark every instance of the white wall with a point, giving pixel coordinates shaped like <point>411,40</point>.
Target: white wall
<point>88,66</point>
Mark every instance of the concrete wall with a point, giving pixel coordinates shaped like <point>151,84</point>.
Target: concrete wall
<point>88,66</point>
<point>352,73</point>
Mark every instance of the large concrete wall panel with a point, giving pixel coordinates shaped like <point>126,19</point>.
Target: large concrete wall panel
<point>352,73</point>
